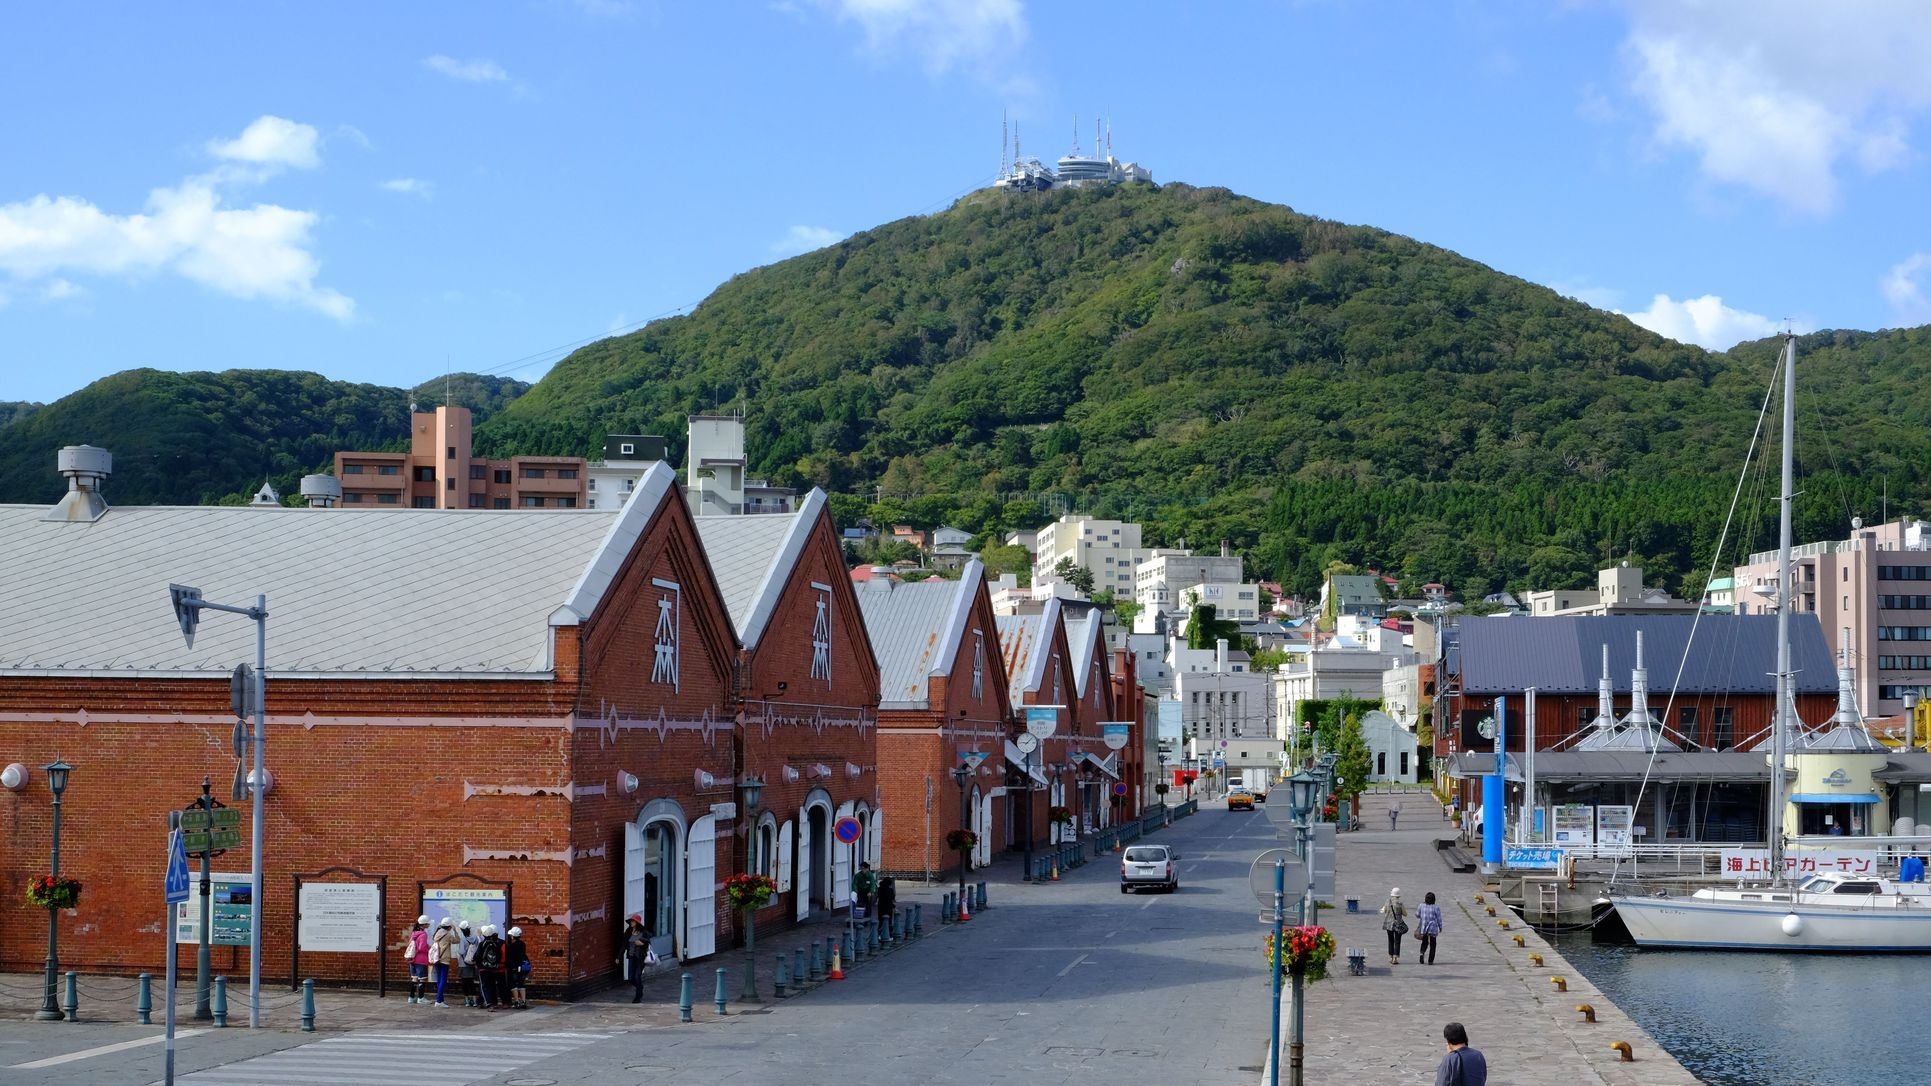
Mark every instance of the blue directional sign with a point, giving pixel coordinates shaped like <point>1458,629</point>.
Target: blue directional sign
<point>177,869</point>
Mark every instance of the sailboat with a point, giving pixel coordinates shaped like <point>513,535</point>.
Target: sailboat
<point>1826,911</point>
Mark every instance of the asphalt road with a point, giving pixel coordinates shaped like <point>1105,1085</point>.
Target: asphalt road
<point>1066,982</point>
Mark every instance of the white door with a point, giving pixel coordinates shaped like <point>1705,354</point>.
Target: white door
<point>875,835</point>
<point>784,858</point>
<point>841,865</point>
<point>982,853</point>
<point>634,868</point>
<point>804,864</point>
<point>700,882</point>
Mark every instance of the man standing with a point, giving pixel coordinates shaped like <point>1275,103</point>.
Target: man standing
<point>1463,1066</point>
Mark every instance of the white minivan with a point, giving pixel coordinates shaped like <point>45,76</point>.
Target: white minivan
<point>1149,865</point>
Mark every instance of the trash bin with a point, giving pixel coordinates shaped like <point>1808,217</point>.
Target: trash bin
<point>1354,904</point>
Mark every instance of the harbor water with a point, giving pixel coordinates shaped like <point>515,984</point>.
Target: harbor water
<point>1749,1019</point>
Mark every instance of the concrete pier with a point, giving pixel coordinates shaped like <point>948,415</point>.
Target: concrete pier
<point>1387,1026</point>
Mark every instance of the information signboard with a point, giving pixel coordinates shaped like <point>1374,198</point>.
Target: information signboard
<point>1042,720</point>
<point>1115,736</point>
<point>1524,858</point>
<point>339,917</point>
<point>478,905</point>
<point>230,909</point>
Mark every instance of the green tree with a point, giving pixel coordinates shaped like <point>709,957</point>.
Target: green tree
<point>1000,558</point>
<point>1354,764</point>
<point>1079,577</point>
<point>1204,629</point>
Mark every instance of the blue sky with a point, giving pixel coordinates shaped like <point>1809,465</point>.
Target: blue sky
<point>385,192</point>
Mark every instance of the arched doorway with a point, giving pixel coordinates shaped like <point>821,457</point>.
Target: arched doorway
<point>653,883</point>
<point>813,879</point>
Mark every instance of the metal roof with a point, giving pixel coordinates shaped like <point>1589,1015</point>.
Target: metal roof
<point>915,629</point>
<point>365,592</point>
<point>1026,643</point>
<point>752,557</point>
<point>1563,654</point>
<point>1082,634</point>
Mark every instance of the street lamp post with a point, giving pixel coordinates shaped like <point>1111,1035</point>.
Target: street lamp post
<point>753,789</point>
<point>188,606</point>
<point>1302,793</point>
<point>49,1010</point>
<point>963,776</point>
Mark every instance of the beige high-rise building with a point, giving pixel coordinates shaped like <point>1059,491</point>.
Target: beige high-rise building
<point>1109,548</point>
<point>438,472</point>
<point>1872,594</point>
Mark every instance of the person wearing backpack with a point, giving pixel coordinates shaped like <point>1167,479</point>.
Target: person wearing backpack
<point>466,945</point>
<point>489,969</point>
<point>416,953</point>
<point>516,966</point>
<point>442,955</point>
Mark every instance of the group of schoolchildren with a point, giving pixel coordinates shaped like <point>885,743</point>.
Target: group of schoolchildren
<point>494,970</point>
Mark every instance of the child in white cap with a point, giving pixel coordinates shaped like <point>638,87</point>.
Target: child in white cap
<point>442,955</point>
<point>417,955</point>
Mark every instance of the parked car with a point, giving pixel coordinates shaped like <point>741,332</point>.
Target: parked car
<point>1149,865</point>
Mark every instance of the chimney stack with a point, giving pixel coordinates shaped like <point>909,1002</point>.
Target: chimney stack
<point>86,468</point>
<point>321,491</point>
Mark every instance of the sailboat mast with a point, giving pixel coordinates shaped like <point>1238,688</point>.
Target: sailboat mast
<point>1786,710</point>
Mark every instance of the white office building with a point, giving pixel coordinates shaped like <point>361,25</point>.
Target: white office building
<point>1109,548</point>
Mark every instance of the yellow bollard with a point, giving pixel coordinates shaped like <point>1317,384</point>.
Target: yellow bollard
<point>1588,1012</point>
<point>1561,984</point>
<point>1536,958</point>
<point>1503,924</point>
<point>1623,1047</point>
<point>1491,910</point>
<point>1518,940</point>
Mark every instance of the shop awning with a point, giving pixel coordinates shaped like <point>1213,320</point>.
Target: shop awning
<point>1825,797</point>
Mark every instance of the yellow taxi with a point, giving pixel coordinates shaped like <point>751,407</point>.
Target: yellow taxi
<point>1240,799</point>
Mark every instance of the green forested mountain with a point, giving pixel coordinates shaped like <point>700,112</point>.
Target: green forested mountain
<point>1211,365</point>
<point>1223,368</point>
<point>194,438</point>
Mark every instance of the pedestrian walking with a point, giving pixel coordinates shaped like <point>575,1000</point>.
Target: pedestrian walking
<point>516,964</point>
<point>1428,925</point>
<point>490,974</point>
<point>1394,813</point>
<point>887,896</point>
<point>1462,1066</point>
<point>443,955</point>
<point>638,955</point>
<point>1394,921</point>
<point>416,953</point>
<point>466,944</point>
<point>864,886</point>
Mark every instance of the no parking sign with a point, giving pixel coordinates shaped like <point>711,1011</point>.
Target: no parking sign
<point>848,830</point>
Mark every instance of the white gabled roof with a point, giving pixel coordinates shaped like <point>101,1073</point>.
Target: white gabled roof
<point>1082,634</point>
<point>916,630</point>
<point>752,557</point>
<point>382,593</point>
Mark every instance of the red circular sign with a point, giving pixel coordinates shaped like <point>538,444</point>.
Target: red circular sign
<point>848,830</point>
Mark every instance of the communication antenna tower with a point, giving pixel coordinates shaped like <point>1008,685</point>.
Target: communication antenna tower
<point>1005,137</point>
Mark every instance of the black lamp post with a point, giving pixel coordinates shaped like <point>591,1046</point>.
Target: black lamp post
<point>50,1004</point>
<point>1303,790</point>
<point>753,789</point>
<point>962,775</point>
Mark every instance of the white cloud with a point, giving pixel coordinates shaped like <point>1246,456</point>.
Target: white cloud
<point>1903,290</point>
<point>479,70</point>
<point>270,141</point>
<point>1704,321</point>
<point>1771,95</point>
<point>943,34</point>
<point>59,290</point>
<point>188,230</point>
<point>411,186</point>
<point>803,239</point>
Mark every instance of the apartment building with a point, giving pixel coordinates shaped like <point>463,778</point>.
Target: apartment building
<point>714,472</point>
<point>1872,594</point>
<point>626,457</point>
<point>440,472</point>
<point>1109,548</point>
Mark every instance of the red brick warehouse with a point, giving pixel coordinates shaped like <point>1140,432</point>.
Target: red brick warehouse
<point>525,703</point>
